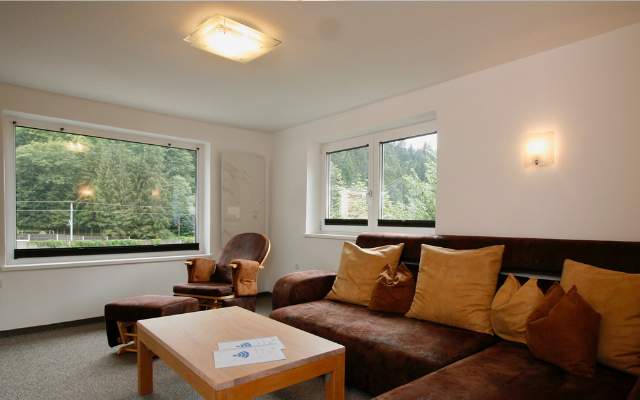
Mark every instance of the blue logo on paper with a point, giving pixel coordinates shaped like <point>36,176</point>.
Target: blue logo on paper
<point>242,354</point>
<point>245,344</point>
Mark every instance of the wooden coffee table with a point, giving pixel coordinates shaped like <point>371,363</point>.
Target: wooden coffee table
<point>186,343</point>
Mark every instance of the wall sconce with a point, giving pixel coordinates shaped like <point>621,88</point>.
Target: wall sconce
<point>539,149</point>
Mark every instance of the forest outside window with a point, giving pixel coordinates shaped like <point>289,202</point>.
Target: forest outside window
<point>348,186</point>
<point>388,179</point>
<point>409,179</point>
<point>81,195</point>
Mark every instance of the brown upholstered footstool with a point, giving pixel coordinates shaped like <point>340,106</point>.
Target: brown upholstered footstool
<point>121,316</point>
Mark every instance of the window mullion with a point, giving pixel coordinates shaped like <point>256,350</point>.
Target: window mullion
<point>374,183</point>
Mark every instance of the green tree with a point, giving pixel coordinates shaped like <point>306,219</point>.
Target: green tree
<point>121,190</point>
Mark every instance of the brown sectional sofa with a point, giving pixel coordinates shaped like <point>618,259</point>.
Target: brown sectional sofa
<point>401,358</point>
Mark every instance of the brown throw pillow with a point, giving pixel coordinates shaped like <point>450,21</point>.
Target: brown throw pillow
<point>394,290</point>
<point>201,270</point>
<point>456,287</point>
<point>563,330</point>
<point>616,297</point>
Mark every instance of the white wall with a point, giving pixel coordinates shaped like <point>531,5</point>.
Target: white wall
<point>30,298</point>
<point>587,92</point>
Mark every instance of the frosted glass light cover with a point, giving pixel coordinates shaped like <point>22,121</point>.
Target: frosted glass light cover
<point>540,149</point>
<point>230,39</point>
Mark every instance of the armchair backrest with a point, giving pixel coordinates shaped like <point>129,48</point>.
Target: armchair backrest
<point>248,246</point>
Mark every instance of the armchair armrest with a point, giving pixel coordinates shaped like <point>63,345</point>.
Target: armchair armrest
<point>199,269</point>
<point>302,287</point>
<point>245,277</point>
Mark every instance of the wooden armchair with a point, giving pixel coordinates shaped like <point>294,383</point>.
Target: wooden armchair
<point>233,279</point>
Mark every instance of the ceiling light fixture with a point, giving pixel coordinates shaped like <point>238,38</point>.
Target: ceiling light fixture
<point>231,39</point>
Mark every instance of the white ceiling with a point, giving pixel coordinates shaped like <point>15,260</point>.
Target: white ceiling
<point>334,56</point>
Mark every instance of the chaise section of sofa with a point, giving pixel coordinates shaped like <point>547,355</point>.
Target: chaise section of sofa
<point>508,371</point>
<point>383,350</point>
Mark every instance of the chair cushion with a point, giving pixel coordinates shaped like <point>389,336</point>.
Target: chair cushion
<point>509,371</point>
<point>204,289</point>
<point>383,350</point>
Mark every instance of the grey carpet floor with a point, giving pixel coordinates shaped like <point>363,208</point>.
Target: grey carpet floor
<point>76,363</point>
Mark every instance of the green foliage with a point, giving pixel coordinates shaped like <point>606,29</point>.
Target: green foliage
<point>121,190</point>
<point>348,176</point>
<point>409,182</point>
<point>103,243</point>
<point>408,185</point>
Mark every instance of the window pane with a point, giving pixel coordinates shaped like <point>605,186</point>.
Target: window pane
<point>348,184</point>
<point>82,191</point>
<point>409,179</point>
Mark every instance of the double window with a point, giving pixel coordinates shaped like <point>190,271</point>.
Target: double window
<point>386,179</point>
<point>84,194</point>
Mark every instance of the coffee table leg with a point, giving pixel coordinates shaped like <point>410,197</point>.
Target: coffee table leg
<point>334,381</point>
<point>145,369</point>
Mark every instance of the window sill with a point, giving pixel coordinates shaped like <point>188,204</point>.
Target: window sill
<point>98,263</point>
<point>331,236</point>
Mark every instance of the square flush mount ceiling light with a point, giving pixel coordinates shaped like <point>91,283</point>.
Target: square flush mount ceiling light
<point>231,39</point>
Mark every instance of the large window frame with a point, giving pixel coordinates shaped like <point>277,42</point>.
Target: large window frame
<point>374,143</point>
<point>19,258</point>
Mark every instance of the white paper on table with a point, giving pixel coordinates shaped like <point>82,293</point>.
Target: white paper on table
<point>249,343</point>
<point>251,355</point>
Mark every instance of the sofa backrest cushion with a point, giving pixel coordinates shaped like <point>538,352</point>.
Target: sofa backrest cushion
<point>522,256</point>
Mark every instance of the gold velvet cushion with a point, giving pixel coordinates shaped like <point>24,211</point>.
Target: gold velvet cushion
<point>511,307</point>
<point>563,330</point>
<point>359,269</point>
<point>456,287</point>
<point>616,297</point>
<point>394,290</point>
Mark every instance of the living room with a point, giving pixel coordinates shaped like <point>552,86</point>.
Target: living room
<point>307,158</point>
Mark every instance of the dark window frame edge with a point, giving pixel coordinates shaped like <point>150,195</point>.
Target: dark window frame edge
<point>63,130</point>
<point>352,222</point>
<point>364,146</point>
<point>408,137</point>
<point>407,223</point>
<point>86,251</point>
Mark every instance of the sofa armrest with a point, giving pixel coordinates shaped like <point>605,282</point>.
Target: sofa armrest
<point>302,287</point>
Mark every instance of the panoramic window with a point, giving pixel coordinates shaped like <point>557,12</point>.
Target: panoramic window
<point>78,194</point>
<point>348,185</point>
<point>408,181</point>
<point>393,186</point>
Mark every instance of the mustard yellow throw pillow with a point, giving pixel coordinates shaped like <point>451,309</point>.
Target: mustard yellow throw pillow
<point>456,287</point>
<point>511,307</point>
<point>616,297</point>
<point>359,270</point>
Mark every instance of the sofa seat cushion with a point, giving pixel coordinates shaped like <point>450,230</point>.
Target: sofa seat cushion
<point>383,350</point>
<point>204,289</point>
<point>508,370</point>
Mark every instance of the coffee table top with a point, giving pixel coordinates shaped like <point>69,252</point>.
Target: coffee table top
<point>193,337</point>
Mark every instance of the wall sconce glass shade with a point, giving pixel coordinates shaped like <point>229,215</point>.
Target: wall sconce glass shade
<point>540,149</point>
<point>231,39</point>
